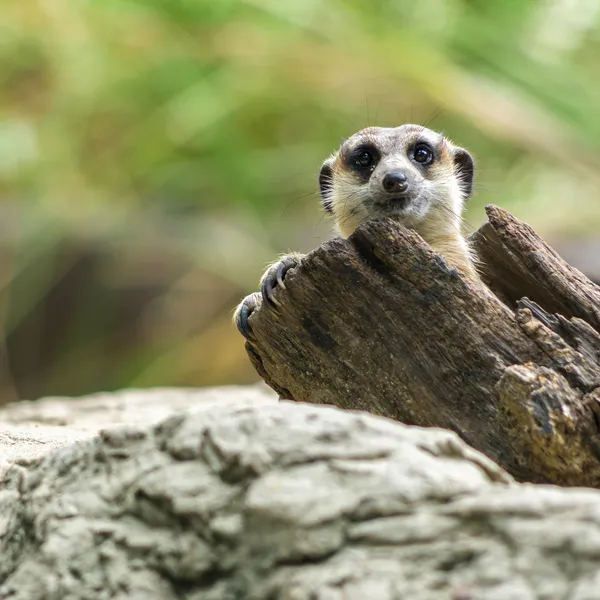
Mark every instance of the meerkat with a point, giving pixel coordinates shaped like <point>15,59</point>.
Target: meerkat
<point>409,173</point>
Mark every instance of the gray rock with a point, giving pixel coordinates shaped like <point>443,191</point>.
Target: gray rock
<point>236,495</point>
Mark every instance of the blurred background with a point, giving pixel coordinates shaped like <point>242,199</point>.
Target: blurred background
<point>156,154</point>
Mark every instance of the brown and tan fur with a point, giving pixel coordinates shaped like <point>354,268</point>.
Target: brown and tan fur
<point>431,204</point>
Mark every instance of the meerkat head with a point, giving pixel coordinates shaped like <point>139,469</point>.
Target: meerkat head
<point>409,173</point>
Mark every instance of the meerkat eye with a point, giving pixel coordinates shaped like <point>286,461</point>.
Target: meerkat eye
<point>363,158</point>
<point>423,154</point>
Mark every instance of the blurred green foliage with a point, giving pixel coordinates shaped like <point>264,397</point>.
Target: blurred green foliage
<point>154,155</point>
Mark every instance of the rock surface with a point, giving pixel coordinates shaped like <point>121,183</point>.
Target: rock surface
<point>30,429</point>
<point>235,495</point>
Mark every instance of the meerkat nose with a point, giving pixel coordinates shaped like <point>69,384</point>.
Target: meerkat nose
<point>395,181</point>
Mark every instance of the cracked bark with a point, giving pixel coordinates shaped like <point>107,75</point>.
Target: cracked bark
<point>382,323</point>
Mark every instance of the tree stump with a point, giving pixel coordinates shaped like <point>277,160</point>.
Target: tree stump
<point>380,322</point>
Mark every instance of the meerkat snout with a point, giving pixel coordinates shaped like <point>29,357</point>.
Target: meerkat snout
<point>395,182</point>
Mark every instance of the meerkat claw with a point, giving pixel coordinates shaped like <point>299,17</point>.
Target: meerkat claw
<point>242,322</point>
<point>280,274</point>
<point>275,277</point>
<point>267,292</point>
<point>242,315</point>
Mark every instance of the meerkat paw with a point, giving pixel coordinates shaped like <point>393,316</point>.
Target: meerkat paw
<point>243,312</point>
<point>274,276</point>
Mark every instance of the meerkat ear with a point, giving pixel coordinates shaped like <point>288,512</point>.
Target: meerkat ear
<point>326,184</point>
<point>464,167</point>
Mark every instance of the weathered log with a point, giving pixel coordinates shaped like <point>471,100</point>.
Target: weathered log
<point>517,263</point>
<point>382,323</point>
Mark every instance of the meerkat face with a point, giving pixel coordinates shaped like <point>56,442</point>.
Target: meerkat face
<point>407,172</point>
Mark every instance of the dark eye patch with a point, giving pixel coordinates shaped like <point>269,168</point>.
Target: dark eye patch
<point>363,160</point>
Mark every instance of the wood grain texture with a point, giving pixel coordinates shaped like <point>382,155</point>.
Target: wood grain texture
<point>380,322</point>
<point>517,263</point>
